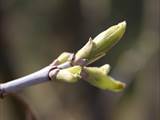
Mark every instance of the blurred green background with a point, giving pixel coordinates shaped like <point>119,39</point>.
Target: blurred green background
<point>34,32</point>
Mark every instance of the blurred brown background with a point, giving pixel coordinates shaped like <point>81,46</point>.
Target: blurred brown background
<point>34,32</point>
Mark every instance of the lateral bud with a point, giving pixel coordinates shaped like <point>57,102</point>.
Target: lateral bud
<point>62,58</point>
<point>70,75</point>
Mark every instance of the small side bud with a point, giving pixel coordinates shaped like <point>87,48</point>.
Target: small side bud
<point>65,56</point>
<point>62,58</point>
<point>70,75</point>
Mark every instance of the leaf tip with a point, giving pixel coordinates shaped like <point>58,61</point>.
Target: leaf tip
<point>119,86</point>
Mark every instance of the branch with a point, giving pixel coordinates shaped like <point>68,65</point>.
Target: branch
<point>70,67</point>
<point>31,79</point>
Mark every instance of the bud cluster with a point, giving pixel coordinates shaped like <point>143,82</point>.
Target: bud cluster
<point>76,67</point>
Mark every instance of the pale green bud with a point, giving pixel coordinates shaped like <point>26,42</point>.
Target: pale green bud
<point>98,47</point>
<point>65,56</point>
<point>98,77</point>
<point>70,75</point>
<point>107,39</point>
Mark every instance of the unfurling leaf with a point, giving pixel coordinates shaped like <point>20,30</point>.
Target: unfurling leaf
<point>98,77</point>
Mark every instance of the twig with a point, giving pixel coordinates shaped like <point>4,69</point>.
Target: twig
<point>31,79</point>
